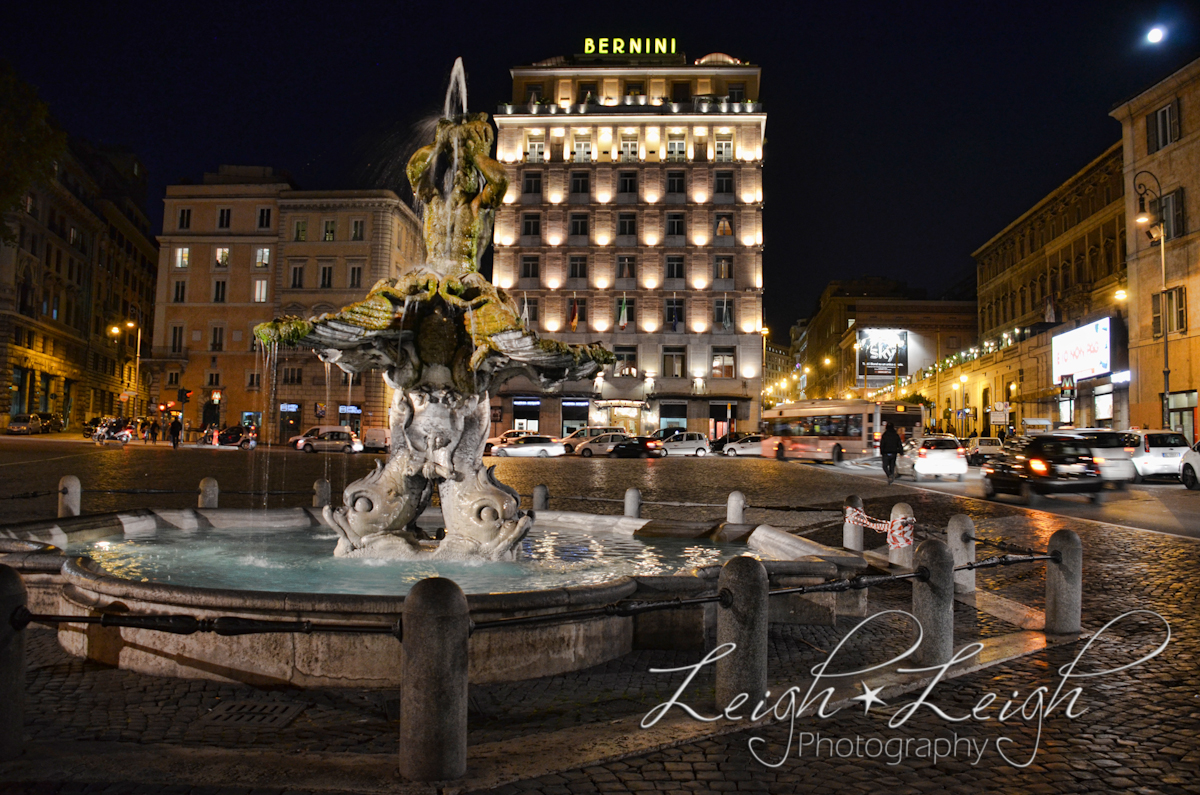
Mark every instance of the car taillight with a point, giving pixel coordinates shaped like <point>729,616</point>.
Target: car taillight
<point>1098,460</point>
<point>921,454</point>
<point>1147,440</point>
<point>1038,466</point>
<point>961,452</point>
<point>654,444</point>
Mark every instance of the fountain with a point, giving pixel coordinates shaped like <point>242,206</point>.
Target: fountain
<point>445,338</point>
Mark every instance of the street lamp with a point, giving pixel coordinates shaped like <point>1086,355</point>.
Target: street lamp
<point>963,380</point>
<point>954,409</point>
<point>137,357</point>
<point>1158,232</point>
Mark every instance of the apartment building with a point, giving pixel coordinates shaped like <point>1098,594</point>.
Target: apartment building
<point>1160,142</point>
<point>82,266</point>
<point>243,247</point>
<point>634,219</point>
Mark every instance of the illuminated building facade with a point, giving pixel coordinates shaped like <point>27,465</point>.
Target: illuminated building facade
<point>84,262</point>
<point>244,247</point>
<point>634,218</point>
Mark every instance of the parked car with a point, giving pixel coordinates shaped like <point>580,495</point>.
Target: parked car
<point>580,435</point>
<point>1189,468</point>
<point>718,445</point>
<point>1156,453</point>
<point>505,438</point>
<point>746,445</point>
<point>932,456</point>
<point>377,439</point>
<point>51,422</point>
<point>982,448</point>
<point>316,431</point>
<point>343,441</point>
<point>687,443</point>
<point>600,445</point>
<point>662,434</point>
<point>539,446</point>
<point>25,424</point>
<point>638,447</point>
<point>243,436</point>
<point>1108,450</point>
<point>1048,464</point>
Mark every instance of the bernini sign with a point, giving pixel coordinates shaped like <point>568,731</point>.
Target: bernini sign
<point>619,46</point>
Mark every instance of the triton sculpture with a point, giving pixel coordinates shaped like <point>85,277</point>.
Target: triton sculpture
<point>445,338</point>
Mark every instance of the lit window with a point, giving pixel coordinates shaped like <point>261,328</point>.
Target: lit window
<point>222,258</point>
<point>181,258</point>
<point>328,235</point>
<point>260,291</point>
<point>262,258</point>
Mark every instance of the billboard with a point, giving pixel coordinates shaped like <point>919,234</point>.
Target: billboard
<point>882,352</point>
<point>1083,353</point>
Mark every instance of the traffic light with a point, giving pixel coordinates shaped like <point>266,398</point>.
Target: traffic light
<point>183,395</point>
<point>162,407</point>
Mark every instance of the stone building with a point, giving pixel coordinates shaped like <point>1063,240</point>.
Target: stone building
<point>83,264</point>
<point>871,332</point>
<point>244,247</point>
<point>778,371</point>
<point>1057,269</point>
<point>634,218</point>
<point>1161,141</point>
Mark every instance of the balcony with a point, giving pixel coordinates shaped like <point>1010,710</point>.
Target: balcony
<point>639,105</point>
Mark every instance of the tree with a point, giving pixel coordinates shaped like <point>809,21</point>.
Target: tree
<point>29,142</point>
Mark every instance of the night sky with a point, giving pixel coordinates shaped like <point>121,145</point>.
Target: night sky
<point>901,136</point>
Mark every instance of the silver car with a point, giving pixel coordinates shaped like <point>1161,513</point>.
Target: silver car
<point>747,445</point>
<point>687,443</point>
<point>331,442</point>
<point>25,423</point>
<point>536,446</point>
<point>600,445</point>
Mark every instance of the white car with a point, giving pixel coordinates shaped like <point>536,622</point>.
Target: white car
<point>981,448</point>
<point>539,446</point>
<point>377,439</point>
<point>1108,450</point>
<point>331,442</point>
<point>1189,468</point>
<point>932,456</point>
<point>600,445</point>
<point>747,445</point>
<point>1156,453</point>
<point>505,438</point>
<point>581,435</point>
<point>687,443</point>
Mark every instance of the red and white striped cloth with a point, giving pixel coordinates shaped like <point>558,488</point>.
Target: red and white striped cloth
<point>899,531</point>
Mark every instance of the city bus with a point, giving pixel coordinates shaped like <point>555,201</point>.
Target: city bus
<point>837,430</point>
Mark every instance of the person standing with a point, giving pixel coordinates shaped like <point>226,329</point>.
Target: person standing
<point>890,447</point>
<point>154,429</point>
<point>176,428</point>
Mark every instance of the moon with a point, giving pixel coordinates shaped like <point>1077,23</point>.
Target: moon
<point>1155,35</point>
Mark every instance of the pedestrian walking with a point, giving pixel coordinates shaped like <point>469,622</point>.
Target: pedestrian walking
<point>154,429</point>
<point>890,447</point>
<point>176,428</point>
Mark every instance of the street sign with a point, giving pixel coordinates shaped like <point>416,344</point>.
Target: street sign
<point>1068,386</point>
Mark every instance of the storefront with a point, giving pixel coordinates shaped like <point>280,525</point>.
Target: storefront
<point>350,415</point>
<point>722,418</point>
<point>672,415</point>
<point>289,421</point>
<point>574,415</point>
<point>527,414</point>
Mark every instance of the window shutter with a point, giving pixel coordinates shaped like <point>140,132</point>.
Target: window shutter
<point>1156,312</point>
<point>1152,133</point>
<point>1179,222</point>
<point>1181,308</point>
<point>1175,120</point>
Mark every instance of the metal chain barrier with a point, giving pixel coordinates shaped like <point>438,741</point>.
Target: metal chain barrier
<point>1003,545</point>
<point>29,495</point>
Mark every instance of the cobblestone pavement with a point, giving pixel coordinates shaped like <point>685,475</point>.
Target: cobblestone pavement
<point>1138,733</point>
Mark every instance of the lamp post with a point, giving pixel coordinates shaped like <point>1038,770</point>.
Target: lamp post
<point>963,380</point>
<point>137,357</point>
<point>1158,231</point>
<point>954,409</point>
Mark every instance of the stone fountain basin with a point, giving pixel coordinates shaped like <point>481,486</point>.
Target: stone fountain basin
<point>79,586</point>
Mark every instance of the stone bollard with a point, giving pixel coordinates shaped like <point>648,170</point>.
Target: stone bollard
<point>960,536</point>
<point>1064,585</point>
<point>633,503</point>
<point>12,666</point>
<point>735,508</point>
<point>852,533</point>
<point>209,493</point>
<point>321,493</point>
<point>901,556</point>
<point>744,624</point>
<point>433,687</point>
<point>933,603</point>
<point>541,498</point>
<point>70,495</point>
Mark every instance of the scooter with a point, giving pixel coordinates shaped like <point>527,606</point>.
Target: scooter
<point>113,432</point>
